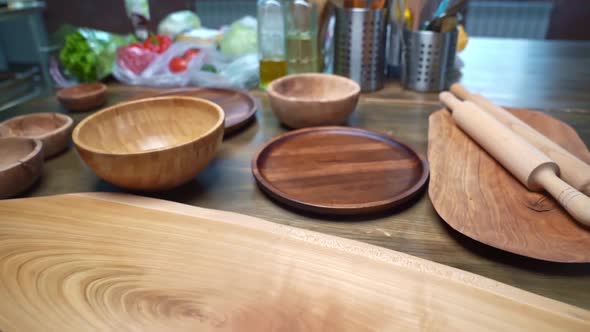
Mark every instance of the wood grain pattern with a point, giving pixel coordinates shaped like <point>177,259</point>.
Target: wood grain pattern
<point>128,263</point>
<point>339,170</point>
<point>305,100</point>
<point>151,144</point>
<point>239,106</point>
<point>480,199</point>
<point>52,129</point>
<point>21,165</point>
<point>83,97</point>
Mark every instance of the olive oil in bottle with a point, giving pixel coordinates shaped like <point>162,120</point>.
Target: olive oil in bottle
<point>272,48</point>
<point>302,37</point>
<point>271,70</point>
<point>302,53</point>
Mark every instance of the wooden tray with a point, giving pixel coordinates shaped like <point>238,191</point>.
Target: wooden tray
<point>239,106</point>
<point>339,170</point>
<point>480,199</point>
<point>108,262</point>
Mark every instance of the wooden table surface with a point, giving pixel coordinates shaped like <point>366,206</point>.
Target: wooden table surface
<point>553,77</point>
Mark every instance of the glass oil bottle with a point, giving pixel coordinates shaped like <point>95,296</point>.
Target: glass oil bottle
<point>302,37</point>
<point>272,48</point>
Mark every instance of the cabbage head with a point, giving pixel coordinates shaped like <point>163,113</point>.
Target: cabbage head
<point>240,39</point>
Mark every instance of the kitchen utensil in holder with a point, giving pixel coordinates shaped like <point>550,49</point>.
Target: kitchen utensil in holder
<point>394,50</point>
<point>359,46</point>
<point>395,29</point>
<point>427,60</point>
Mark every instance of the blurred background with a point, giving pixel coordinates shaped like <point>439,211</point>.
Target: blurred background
<point>25,45</point>
<point>534,19</point>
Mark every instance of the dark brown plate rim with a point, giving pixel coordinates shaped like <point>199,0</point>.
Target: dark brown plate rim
<point>342,209</point>
<point>229,127</point>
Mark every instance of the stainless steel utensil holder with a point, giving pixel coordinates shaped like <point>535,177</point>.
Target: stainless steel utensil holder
<point>359,46</point>
<point>428,59</point>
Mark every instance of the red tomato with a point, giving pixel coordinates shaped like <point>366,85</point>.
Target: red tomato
<point>157,43</point>
<point>149,44</point>
<point>165,43</point>
<point>178,64</point>
<point>191,53</point>
<point>136,45</point>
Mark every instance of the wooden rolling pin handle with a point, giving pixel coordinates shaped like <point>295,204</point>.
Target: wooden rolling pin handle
<point>573,201</point>
<point>450,101</point>
<point>460,91</point>
<point>526,163</point>
<point>573,170</point>
<point>510,150</point>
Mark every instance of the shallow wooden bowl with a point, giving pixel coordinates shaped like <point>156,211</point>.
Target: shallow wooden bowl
<point>151,144</point>
<point>21,165</point>
<point>83,97</point>
<point>52,129</point>
<point>306,100</point>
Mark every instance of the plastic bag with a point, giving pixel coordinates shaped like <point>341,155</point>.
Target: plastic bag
<point>209,68</point>
<point>158,73</point>
<point>135,58</point>
<point>241,73</point>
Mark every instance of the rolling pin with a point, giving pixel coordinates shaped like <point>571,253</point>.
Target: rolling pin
<point>526,163</point>
<point>573,170</point>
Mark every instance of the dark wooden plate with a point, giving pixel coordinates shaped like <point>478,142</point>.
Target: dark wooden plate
<point>477,197</point>
<point>339,170</point>
<point>239,106</point>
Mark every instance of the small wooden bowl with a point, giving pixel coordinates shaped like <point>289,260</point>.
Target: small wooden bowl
<point>20,166</point>
<point>52,129</point>
<point>151,144</point>
<point>306,100</point>
<point>83,97</point>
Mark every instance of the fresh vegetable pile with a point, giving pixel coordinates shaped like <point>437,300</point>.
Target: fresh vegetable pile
<point>198,56</point>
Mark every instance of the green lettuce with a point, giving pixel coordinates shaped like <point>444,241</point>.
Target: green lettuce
<point>89,55</point>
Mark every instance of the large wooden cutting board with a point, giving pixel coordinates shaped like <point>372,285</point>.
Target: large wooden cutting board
<point>108,262</point>
<point>477,197</point>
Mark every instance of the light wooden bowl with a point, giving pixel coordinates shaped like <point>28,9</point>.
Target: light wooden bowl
<point>52,129</point>
<point>83,97</point>
<point>151,144</point>
<point>21,165</point>
<point>306,100</point>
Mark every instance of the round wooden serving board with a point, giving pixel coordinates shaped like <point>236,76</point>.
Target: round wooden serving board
<point>339,170</point>
<point>477,197</point>
<point>239,106</point>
